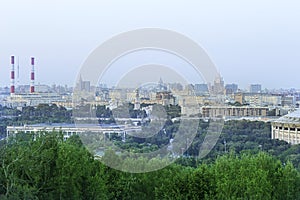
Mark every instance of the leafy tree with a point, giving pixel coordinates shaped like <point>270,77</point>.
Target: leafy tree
<point>43,166</point>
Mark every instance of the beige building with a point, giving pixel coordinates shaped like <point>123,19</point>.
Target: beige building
<point>233,111</point>
<point>287,128</point>
<point>239,97</point>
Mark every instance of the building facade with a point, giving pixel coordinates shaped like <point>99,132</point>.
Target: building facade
<point>234,111</point>
<point>287,128</point>
<point>255,88</point>
<point>71,129</point>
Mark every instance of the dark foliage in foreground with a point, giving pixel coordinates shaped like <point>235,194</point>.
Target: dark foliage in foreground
<point>48,167</point>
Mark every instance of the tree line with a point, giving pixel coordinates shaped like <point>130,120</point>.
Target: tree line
<point>236,136</point>
<point>48,167</point>
<point>43,113</point>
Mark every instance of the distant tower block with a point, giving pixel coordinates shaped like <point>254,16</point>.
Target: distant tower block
<point>32,76</point>
<point>137,104</point>
<point>12,76</point>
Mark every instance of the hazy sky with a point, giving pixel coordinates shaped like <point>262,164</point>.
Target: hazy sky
<point>255,41</point>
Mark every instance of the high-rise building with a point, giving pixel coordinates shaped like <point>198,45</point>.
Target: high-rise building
<point>231,88</point>
<point>288,101</point>
<point>161,86</point>
<point>189,88</point>
<point>175,86</point>
<point>240,98</point>
<point>255,88</point>
<point>201,89</point>
<point>83,85</point>
<point>218,87</point>
<point>137,104</point>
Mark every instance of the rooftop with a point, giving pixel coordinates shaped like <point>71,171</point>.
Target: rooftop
<point>291,118</point>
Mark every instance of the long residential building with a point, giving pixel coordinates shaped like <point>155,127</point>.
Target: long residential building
<point>233,111</point>
<point>71,129</point>
<point>31,99</point>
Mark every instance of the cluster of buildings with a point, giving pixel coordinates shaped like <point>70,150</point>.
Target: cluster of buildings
<point>206,100</point>
<point>32,95</point>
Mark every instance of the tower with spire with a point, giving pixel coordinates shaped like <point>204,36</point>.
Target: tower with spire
<point>137,104</point>
<point>218,87</point>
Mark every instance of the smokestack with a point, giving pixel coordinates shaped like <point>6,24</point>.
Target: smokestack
<point>12,76</point>
<point>32,76</point>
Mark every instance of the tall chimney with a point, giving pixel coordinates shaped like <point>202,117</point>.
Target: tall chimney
<point>12,76</point>
<point>32,76</point>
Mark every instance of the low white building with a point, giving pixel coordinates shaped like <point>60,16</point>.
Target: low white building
<point>71,129</point>
<point>31,99</point>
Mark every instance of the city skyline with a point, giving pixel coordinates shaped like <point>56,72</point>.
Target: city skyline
<point>250,42</point>
<point>43,87</point>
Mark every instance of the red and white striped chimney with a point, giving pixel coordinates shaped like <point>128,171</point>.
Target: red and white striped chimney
<point>32,76</point>
<point>12,76</point>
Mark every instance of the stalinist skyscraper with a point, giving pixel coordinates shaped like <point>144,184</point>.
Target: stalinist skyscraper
<point>218,86</point>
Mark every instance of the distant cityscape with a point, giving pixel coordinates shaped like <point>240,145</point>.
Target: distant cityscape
<point>19,95</point>
<point>254,96</point>
<point>205,100</point>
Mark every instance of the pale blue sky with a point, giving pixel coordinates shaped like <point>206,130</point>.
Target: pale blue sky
<point>255,41</point>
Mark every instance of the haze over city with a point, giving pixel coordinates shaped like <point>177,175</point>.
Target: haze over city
<point>140,99</point>
<point>249,41</point>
